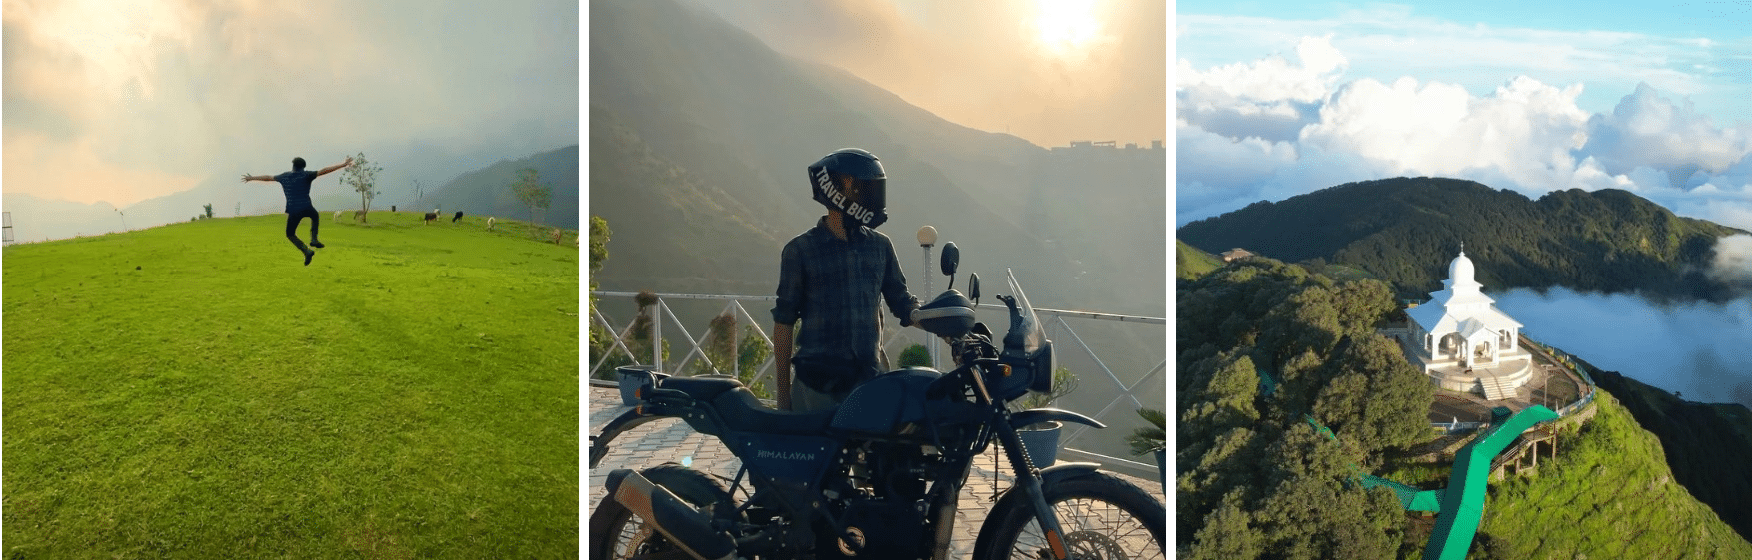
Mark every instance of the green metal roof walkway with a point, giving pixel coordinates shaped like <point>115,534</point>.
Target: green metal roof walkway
<point>1460,506</point>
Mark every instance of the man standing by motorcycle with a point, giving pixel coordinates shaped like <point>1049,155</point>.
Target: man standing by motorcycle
<point>831,277</point>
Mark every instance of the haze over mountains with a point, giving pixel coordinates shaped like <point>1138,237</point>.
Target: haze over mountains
<point>438,168</point>
<point>700,135</point>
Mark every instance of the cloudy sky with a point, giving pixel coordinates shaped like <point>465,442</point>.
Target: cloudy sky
<point>1275,99</point>
<point>118,101</point>
<point>1278,99</point>
<point>1048,71</point>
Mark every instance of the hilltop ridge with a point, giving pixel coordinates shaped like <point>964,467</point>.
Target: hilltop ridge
<point>1404,230</point>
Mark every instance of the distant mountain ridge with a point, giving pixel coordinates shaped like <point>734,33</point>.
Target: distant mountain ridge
<point>700,135</point>
<point>1406,230</point>
<point>487,191</point>
<point>476,182</point>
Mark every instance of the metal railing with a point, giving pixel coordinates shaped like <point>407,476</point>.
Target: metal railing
<point>1058,323</point>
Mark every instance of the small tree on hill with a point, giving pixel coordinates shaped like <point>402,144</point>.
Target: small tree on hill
<point>209,208</point>
<point>362,177</point>
<point>533,193</point>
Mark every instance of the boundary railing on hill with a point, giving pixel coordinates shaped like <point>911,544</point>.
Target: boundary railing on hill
<point>1588,390</point>
<point>1057,323</point>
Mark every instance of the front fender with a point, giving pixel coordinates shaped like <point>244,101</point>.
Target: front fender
<point>1038,415</point>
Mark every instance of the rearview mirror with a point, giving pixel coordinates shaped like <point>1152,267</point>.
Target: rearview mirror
<point>973,287</point>
<point>951,258</point>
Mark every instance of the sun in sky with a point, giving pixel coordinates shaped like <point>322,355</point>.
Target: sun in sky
<point>1066,27</point>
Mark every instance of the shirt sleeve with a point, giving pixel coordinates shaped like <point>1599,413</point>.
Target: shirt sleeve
<point>791,281</point>
<point>900,302</point>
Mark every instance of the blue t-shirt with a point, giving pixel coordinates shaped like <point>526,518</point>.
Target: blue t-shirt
<point>297,187</point>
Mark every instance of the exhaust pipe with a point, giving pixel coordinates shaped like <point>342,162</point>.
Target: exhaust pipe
<point>679,522</point>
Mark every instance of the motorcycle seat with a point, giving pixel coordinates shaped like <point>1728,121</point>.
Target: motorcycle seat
<point>704,388</point>
<point>743,412</point>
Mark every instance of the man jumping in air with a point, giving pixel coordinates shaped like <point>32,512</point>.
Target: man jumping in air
<point>296,184</point>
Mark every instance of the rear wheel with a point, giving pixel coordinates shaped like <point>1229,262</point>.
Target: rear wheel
<point>1103,518</point>
<point>616,533</point>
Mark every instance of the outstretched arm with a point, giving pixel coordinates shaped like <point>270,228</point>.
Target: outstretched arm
<point>247,178</point>
<point>335,167</point>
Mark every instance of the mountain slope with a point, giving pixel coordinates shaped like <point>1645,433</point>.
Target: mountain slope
<point>487,191</point>
<point>1708,445</point>
<point>1255,481</point>
<point>1406,230</point>
<point>1609,494</point>
<point>737,123</point>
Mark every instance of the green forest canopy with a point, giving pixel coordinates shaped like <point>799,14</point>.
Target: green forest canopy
<point>1405,231</point>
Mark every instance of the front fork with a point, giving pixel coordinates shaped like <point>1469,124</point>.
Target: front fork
<point>1028,479</point>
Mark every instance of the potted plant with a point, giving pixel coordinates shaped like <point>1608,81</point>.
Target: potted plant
<point>915,356</point>
<point>1152,439</point>
<point>1042,440</point>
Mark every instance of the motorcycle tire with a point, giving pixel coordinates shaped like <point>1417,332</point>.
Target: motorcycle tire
<point>616,533</point>
<point>1103,518</point>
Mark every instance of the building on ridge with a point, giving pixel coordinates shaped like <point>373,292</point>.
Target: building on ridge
<point>1463,342</point>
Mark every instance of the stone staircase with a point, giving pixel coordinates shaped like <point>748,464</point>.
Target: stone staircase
<point>1496,388</point>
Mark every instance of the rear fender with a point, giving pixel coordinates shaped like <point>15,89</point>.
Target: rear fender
<point>621,424</point>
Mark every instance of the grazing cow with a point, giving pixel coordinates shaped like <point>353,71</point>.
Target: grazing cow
<point>489,223</point>
<point>338,215</point>
<point>559,234</point>
<point>430,216</point>
<point>458,217</point>
<point>358,215</point>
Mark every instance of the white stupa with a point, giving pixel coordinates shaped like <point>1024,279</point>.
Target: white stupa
<point>1463,342</point>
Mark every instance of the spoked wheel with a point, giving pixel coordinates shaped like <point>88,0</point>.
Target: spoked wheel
<point>616,533</point>
<point>1103,517</point>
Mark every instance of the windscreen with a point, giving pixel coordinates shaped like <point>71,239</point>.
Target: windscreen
<point>1035,333</point>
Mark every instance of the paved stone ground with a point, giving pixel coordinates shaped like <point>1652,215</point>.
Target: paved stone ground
<point>672,440</point>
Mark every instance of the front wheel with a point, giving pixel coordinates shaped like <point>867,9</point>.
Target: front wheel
<point>1103,517</point>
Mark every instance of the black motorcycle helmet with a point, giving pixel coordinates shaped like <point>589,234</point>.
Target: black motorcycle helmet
<point>851,181</point>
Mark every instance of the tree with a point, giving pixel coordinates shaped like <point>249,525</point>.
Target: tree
<point>362,176</point>
<point>209,210</point>
<point>533,193</point>
<point>601,340</point>
<point>719,346</point>
<point>751,354</point>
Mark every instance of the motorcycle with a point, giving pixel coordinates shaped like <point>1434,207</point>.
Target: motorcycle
<point>879,476</point>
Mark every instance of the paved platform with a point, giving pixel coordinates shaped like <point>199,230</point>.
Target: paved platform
<point>671,440</point>
<point>1551,385</point>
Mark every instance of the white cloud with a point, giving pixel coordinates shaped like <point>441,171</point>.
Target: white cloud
<point>1271,98</point>
<point>1524,135</point>
<point>1733,260</point>
<point>1646,129</point>
<point>1701,346</point>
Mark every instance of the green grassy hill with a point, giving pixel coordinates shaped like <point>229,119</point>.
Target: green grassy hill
<point>1191,263</point>
<point>1708,445</point>
<point>194,390</point>
<point>1609,494</point>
